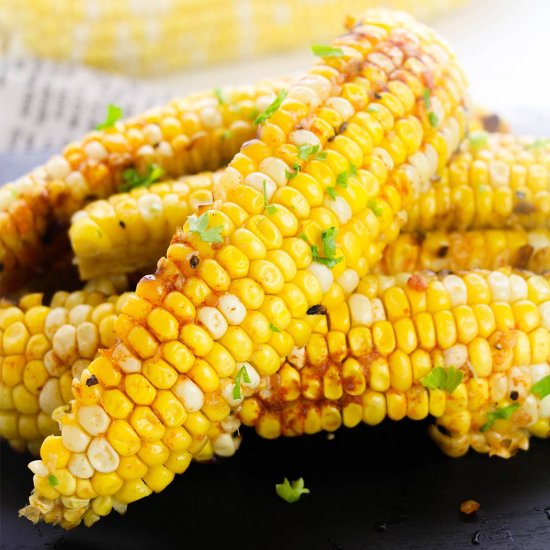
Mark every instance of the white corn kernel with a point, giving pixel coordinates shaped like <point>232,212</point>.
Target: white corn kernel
<point>544,310</point>
<point>360,310</point>
<point>152,133</point>
<point>258,181</point>
<point>93,419</point>
<point>39,468</point>
<point>232,309</point>
<point>348,280</point>
<point>119,507</point>
<point>297,357</point>
<point>323,274</point>
<point>230,424</point>
<point>253,375</point>
<point>455,356</point>
<point>456,288</point>
<point>432,157</point>
<point>74,438</point>
<point>79,314</point>
<point>87,339</point>
<point>224,445</point>
<point>213,320</point>
<point>64,343</point>
<point>211,117</point>
<point>189,394</point>
<point>125,359</point>
<point>306,95</point>
<point>500,286</point>
<point>50,396</point>
<point>102,456</point>
<point>531,407</point>
<point>95,150</point>
<point>303,137</point>
<point>74,503</point>
<point>518,288</point>
<point>55,319</point>
<point>80,466</point>
<point>342,106</point>
<point>320,84</point>
<point>499,173</point>
<point>420,162</point>
<point>544,407</point>
<point>539,371</point>
<point>276,169</point>
<point>227,390</point>
<point>340,207</point>
<point>378,311</point>
<point>58,168</point>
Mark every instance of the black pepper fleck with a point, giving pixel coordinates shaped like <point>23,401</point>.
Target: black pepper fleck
<point>317,310</point>
<point>377,96</point>
<point>442,251</point>
<point>122,224</point>
<point>92,381</point>
<point>514,395</point>
<point>194,261</point>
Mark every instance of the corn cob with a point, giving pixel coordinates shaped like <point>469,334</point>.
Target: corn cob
<point>130,231</point>
<point>372,357</point>
<point>495,181</point>
<point>43,349</point>
<point>238,284</point>
<point>454,251</point>
<point>198,132</point>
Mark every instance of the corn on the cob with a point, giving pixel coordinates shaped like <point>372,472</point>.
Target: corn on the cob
<point>198,132</point>
<point>454,251</point>
<point>130,231</point>
<point>495,181</point>
<point>238,284</point>
<point>42,349</point>
<point>372,358</point>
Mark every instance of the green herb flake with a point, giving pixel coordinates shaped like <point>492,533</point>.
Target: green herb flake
<point>241,374</point>
<point>503,413</point>
<point>331,191</point>
<point>426,97</point>
<point>303,236</point>
<point>478,140</point>
<point>114,114</point>
<point>261,118</point>
<point>52,480</point>
<point>274,328</point>
<point>269,208</point>
<point>291,175</point>
<point>326,51</point>
<point>227,134</point>
<point>342,179</point>
<point>375,207</point>
<point>306,150</point>
<point>219,95</point>
<point>539,143</point>
<point>542,387</point>
<point>432,117</point>
<point>328,238</point>
<point>321,155</point>
<point>133,179</point>
<point>199,226</point>
<point>291,491</point>
<point>352,170</point>
<point>444,379</point>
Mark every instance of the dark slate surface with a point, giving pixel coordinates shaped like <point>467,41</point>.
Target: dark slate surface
<point>391,474</point>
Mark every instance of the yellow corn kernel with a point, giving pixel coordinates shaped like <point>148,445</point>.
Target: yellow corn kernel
<point>466,323</point>
<point>234,261</point>
<point>139,389</point>
<point>180,306</point>
<point>178,461</point>
<point>132,490</point>
<point>269,425</point>
<point>383,337</point>
<point>143,342</point>
<point>250,411</point>
<point>196,339</point>
<point>53,453</point>
<point>401,375</point>
<point>221,360</point>
<point>481,357</point>
<point>123,438</point>
<point>418,406</point>
<point>116,404</point>
<point>204,376</point>
<point>352,414</point>
<point>131,467</point>
<point>147,424</point>
<point>360,341</point>
<point>84,489</point>
<point>332,383</point>
<point>43,487</point>
<point>177,439</point>
<point>265,359</point>
<point>438,401</point>
<point>379,374</point>
<point>163,324</point>
<point>197,424</point>
<point>289,383</point>
<point>106,484</point>
<point>237,342</point>
<point>178,355</point>
<point>158,478</point>
<point>153,453</point>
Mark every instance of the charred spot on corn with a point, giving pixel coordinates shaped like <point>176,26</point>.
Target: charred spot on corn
<point>194,261</point>
<point>92,380</point>
<point>514,395</point>
<point>122,224</point>
<point>291,491</point>
<point>442,251</point>
<point>317,309</point>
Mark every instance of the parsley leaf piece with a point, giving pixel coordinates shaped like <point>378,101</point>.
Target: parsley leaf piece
<point>291,175</point>
<point>326,51</point>
<point>52,480</point>
<point>321,155</point>
<point>274,328</point>
<point>269,208</point>
<point>331,191</point>
<point>271,108</point>
<point>306,150</point>
<point>478,140</point>
<point>426,97</point>
<point>219,95</point>
<point>342,179</point>
<point>291,491</point>
<point>434,121</point>
<point>199,224</point>
<point>443,379</point>
<point>542,387</point>
<point>375,207</point>
<point>352,170</point>
<point>504,413</point>
<point>241,374</point>
<point>329,241</point>
<point>227,134</point>
<point>133,179</point>
<point>303,236</point>
<point>114,114</point>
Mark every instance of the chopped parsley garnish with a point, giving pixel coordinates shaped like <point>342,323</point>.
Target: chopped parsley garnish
<point>326,51</point>
<point>303,236</point>
<point>307,150</point>
<point>539,143</point>
<point>241,374</point>
<point>329,247</point>
<point>375,207</point>
<point>432,117</point>
<point>478,140</point>
<point>503,413</point>
<point>331,191</point>
<point>271,108</point>
<point>352,170</point>
<point>274,328</point>
<point>269,208</point>
<point>342,179</point>
<point>542,387</point>
<point>426,97</point>
<point>291,175</point>
<point>52,480</point>
<point>199,226</point>
<point>114,114</point>
<point>133,179</point>
<point>291,491</point>
<point>443,379</point>
<point>219,95</point>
